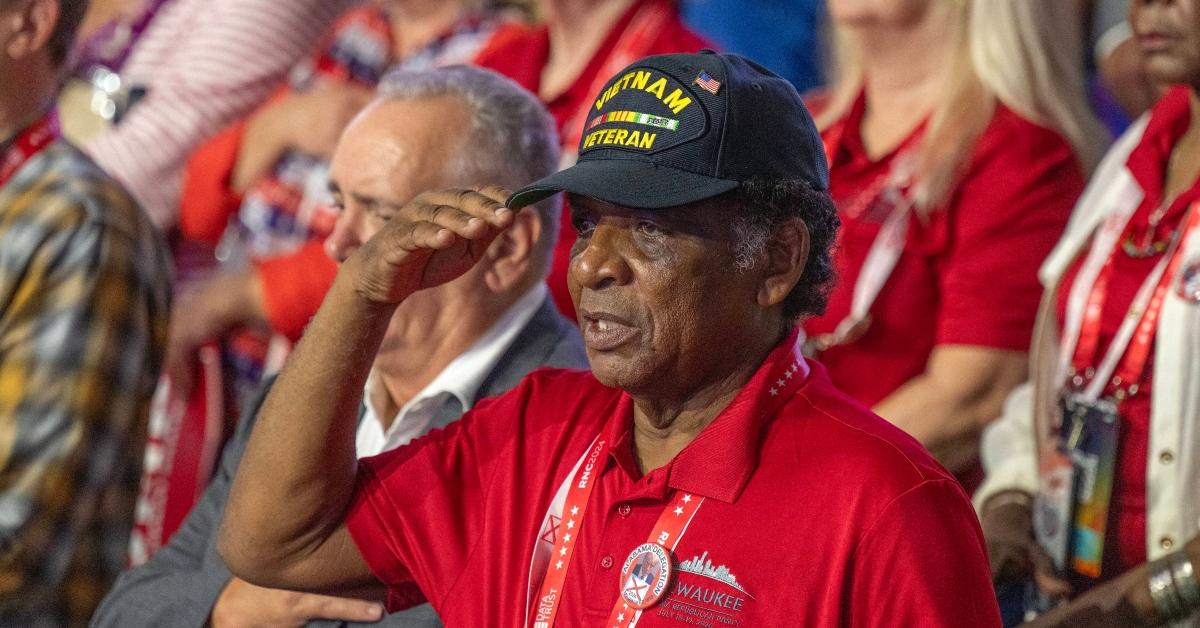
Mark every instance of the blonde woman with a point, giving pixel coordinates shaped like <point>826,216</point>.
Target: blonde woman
<point>958,137</point>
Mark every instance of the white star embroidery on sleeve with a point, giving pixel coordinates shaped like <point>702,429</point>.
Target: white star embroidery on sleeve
<point>678,510</point>
<point>687,499</point>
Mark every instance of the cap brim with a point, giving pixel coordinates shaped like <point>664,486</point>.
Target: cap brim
<point>626,182</point>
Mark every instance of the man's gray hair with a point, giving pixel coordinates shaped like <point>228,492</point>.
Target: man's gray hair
<point>512,138</point>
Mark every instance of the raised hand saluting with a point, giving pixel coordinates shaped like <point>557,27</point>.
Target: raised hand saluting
<point>432,240</point>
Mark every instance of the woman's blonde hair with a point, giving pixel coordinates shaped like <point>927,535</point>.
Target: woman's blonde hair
<point>1026,54</point>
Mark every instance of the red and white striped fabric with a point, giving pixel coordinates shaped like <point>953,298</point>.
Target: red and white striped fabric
<point>204,64</point>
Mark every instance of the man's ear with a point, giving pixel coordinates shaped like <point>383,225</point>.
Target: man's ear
<point>512,252</point>
<point>29,27</point>
<point>786,257</point>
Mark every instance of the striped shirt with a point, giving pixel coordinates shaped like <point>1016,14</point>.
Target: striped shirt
<point>204,64</point>
<point>84,295</point>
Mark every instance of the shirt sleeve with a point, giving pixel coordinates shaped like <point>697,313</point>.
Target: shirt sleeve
<point>294,286</point>
<point>228,63</point>
<point>420,509</point>
<point>923,563</point>
<point>1008,449</point>
<point>1006,217</point>
<point>82,328</point>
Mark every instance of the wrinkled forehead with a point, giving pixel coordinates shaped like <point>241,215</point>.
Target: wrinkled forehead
<point>710,218</point>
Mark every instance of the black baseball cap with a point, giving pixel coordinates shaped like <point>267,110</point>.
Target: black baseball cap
<point>674,129</point>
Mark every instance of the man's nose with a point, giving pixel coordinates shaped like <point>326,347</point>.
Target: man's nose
<point>602,262</point>
<point>344,240</point>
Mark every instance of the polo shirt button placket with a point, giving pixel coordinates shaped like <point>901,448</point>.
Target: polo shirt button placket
<point>624,510</point>
<point>606,562</point>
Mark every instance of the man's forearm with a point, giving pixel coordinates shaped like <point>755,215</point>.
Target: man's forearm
<point>297,477</point>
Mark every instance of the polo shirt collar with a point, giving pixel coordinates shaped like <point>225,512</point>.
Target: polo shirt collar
<point>720,460</point>
<point>463,376</point>
<point>846,139</point>
<point>1169,120</point>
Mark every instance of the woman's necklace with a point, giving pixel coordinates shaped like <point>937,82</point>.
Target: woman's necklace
<point>1150,244</point>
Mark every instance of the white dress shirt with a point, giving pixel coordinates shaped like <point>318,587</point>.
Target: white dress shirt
<point>460,379</point>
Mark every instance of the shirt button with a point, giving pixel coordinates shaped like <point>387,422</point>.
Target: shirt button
<point>624,510</point>
<point>1166,542</point>
<point>1166,457</point>
<point>606,562</point>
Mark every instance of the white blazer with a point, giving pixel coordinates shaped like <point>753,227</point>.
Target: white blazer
<point>1011,444</point>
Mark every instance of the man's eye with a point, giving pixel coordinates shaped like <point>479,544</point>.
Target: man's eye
<point>649,228</point>
<point>380,214</point>
<point>584,228</point>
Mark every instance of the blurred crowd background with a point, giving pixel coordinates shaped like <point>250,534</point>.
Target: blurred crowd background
<point>968,137</point>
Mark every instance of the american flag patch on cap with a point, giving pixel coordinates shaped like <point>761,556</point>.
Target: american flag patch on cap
<point>708,83</point>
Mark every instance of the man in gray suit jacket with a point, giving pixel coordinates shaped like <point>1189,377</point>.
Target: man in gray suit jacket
<point>444,350</point>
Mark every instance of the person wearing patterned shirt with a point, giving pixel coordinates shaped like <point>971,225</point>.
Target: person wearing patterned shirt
<point>200,65</point>
<point>84,298</point>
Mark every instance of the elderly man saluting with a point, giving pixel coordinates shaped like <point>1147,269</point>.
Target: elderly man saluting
<point>703,473</point>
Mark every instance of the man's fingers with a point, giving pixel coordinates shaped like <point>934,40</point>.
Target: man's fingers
<point>449,217</point>
<point>314,606</point>
<point>494,192</point>
<point>470,202</point>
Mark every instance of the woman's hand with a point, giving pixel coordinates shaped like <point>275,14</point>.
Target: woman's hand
<point>1012,550</point>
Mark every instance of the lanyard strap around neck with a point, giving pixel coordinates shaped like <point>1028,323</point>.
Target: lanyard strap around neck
<point>894,186</point>
<point>1125,360</point>
<point>27,144</point>
<point>670,528</point>
<point>554,547</point>
<point>560,528</point>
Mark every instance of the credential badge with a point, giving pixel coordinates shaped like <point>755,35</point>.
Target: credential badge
<point>645,576</point>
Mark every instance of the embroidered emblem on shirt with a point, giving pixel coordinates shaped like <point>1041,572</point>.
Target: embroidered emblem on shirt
<point>702,566</point>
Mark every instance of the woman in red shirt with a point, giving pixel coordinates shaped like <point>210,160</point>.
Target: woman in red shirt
<point>1094,469</point>
<point>958,136</point>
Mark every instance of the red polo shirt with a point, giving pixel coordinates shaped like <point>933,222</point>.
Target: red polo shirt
<point>820,514</point>
<point>968,273</point>
<point>521,52</point>
<point>1125,545</point>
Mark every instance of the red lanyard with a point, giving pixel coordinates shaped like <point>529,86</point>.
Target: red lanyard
<point>635,41</point>
<point>30,142</point>
<point>583,480</point>
<point>1136,336</point>
<point>646,573</point>
<point>648,583</point>
<point>894,186</point>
